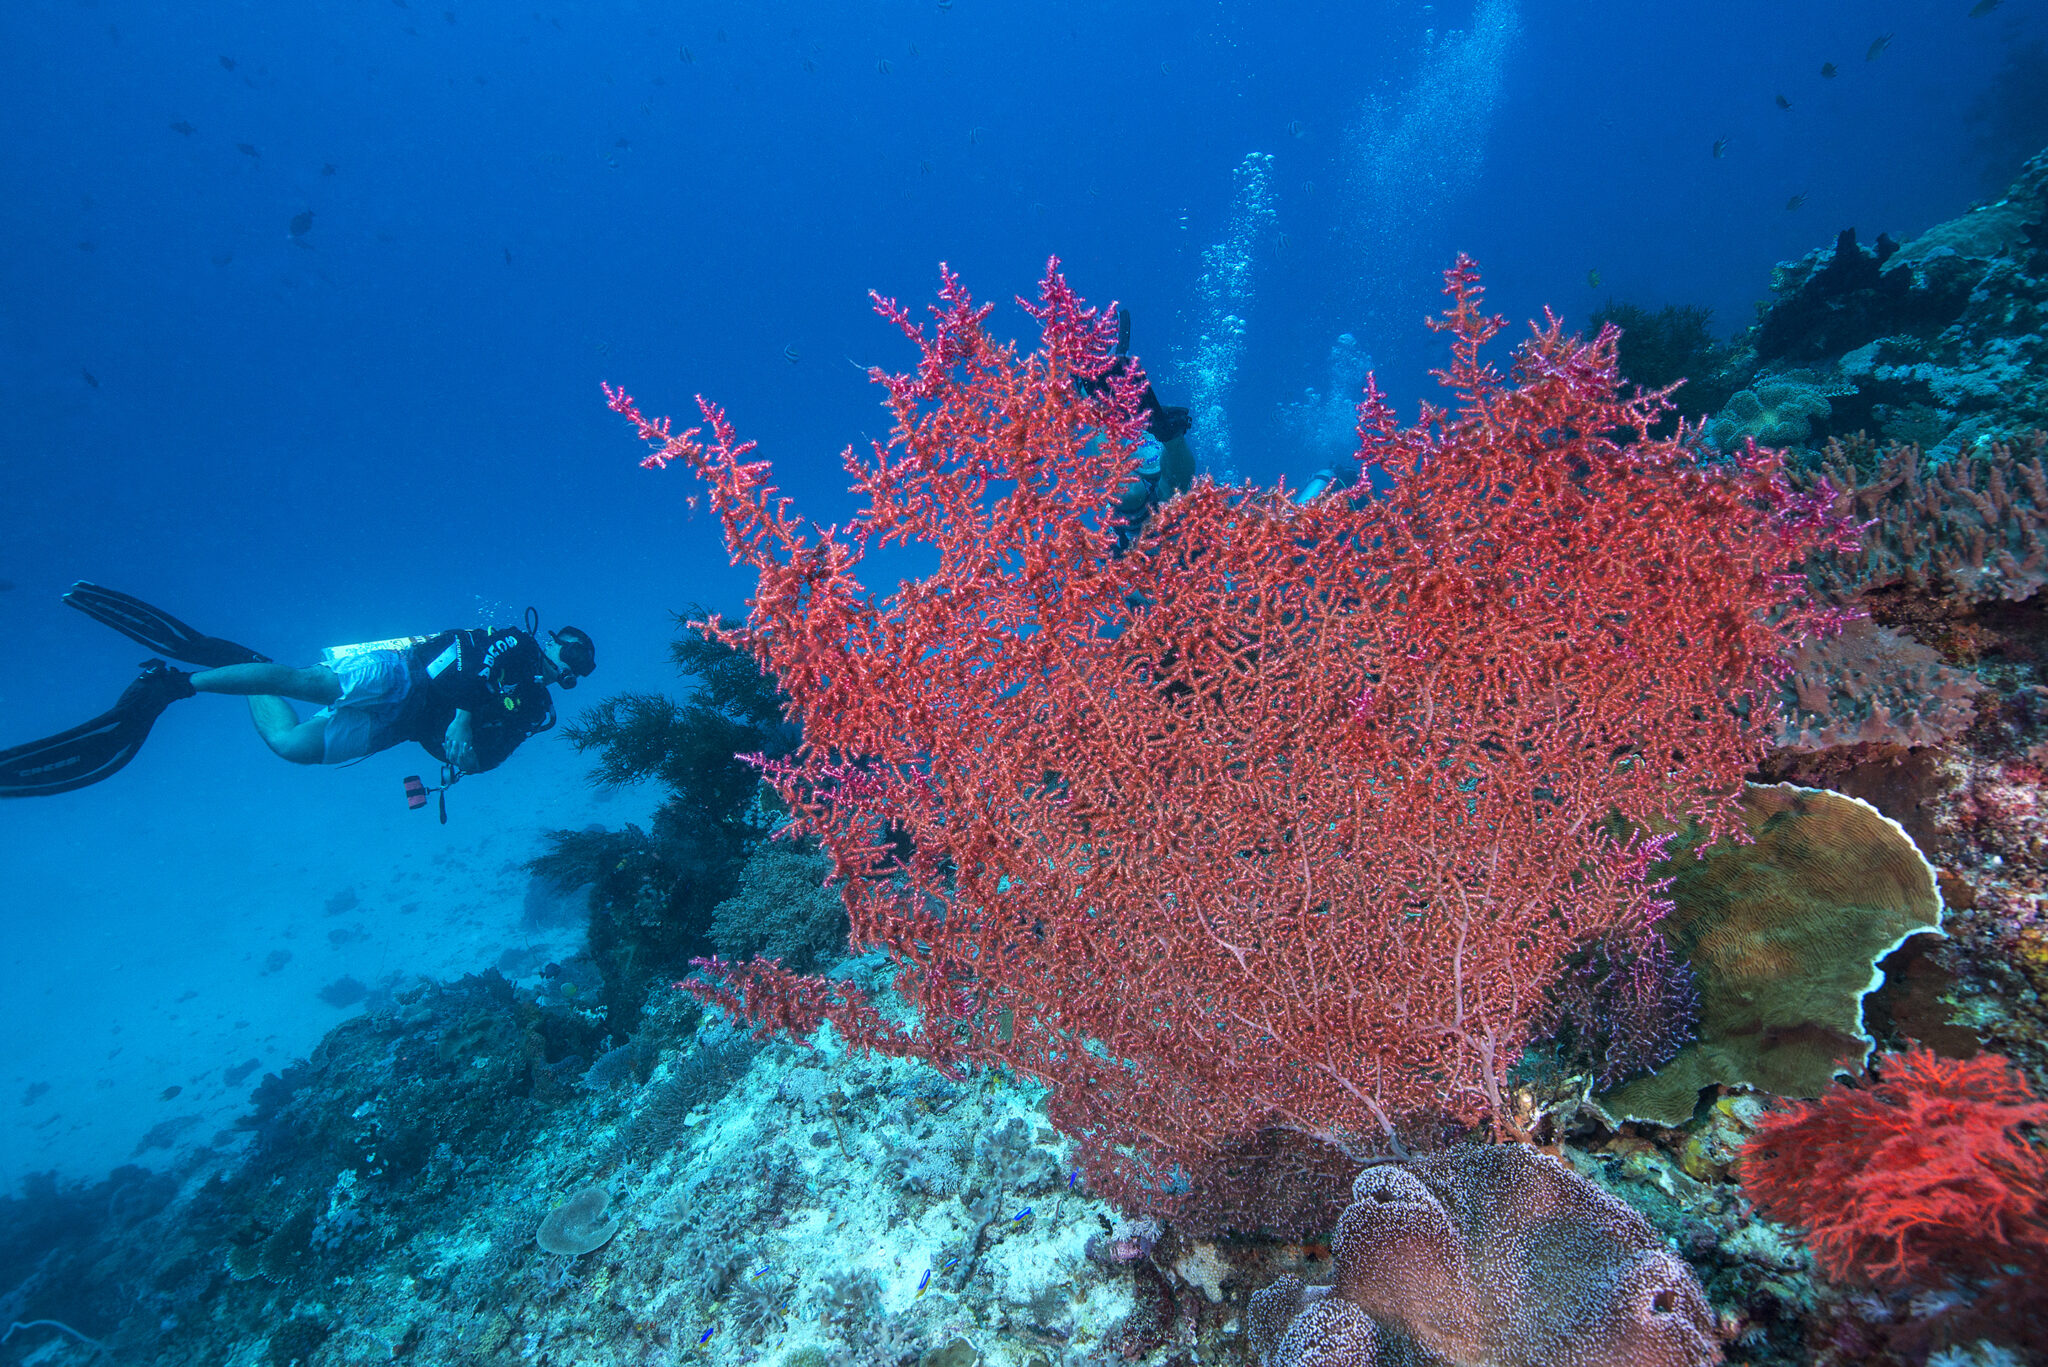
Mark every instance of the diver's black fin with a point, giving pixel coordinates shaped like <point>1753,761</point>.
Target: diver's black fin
<point>157,629</point>
<point>90,752</point>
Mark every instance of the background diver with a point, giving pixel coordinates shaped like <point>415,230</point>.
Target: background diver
<point>1165,469</point>
<point>468,696</point>
<point>1168,466</point>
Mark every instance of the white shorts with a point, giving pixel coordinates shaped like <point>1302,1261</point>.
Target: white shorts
<point>366,717</point>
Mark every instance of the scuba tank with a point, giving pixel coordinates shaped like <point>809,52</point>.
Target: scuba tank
<point>1328,477</point>
<point>334,655</point>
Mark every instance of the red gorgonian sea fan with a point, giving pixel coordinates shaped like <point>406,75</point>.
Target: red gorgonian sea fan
<point>1911,1179</point>
<point>1283,820</point>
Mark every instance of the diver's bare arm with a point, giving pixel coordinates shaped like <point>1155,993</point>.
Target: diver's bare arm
<point>457,746</point>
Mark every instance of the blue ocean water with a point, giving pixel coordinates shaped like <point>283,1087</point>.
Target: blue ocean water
<point>304,312</point>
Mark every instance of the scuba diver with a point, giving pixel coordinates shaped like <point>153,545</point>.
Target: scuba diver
<point>469,696</point>
<point>1164,472</point>
<point>1169,468</point>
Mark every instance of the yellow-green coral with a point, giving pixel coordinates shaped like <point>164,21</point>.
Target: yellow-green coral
<point>1785,932</point>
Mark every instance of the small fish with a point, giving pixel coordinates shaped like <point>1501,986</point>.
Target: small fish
<point>1827,71</point>
<point>810,65</point>
<point>974,134</point>
<point>882,66</point>
<point>1877,47</point>
<point>181,126</point>
<point>622,144</point>
<point>923,1282</point>
<point>1593,278</point>
<point>90,378</point>
<point>1784,103</point>
<point>1023,1214</point>
<point>721,35</point>
<point>1720,148</point>
<point>1166,68</point>
<point>1297,129</point>
<point>687,55</point>
<point>88,246</point>
<point>302,223</point>
<point>763,1270</point>
<point>913,49</point>
<point>924,168</point>
<point>951,1263</point>
<point>247,149</point>
<point>1795,202</point>
<point>227,64</point>
<point>1982,8</point>
<point>1281,243</point>
<point>508,256</point>
<point>705,1337</point>
<point>1073,1179</point>
<point>326,168</point>
<point>945,5</point>
<point>170,1092</point>
<point>791,354</point>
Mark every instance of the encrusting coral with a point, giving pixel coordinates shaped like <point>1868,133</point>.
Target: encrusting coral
<point>1495,1256</point>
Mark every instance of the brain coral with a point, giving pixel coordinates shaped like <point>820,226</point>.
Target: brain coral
<point>1493,1256</point>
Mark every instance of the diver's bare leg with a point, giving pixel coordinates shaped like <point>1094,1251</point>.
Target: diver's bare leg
<point>314,683</point>
<point>301,742</point>
<point>267,686</point>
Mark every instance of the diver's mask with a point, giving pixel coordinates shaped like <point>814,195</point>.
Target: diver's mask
<point>577,654</point>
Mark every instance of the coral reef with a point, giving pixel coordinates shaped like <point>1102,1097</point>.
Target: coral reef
<point>784,909</point>
<point>1162,800</point>
<point>1672,346</point>
<point>1779,412</point>
<point>1918,1180</point>
<point>1936,341</point>
<point>1869,685</point>
<point>580,1224</point>
<point>653,893</point>
<point>398,1195</point>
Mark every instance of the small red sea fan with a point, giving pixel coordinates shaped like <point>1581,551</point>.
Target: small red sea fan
<point>1912,1180</point>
